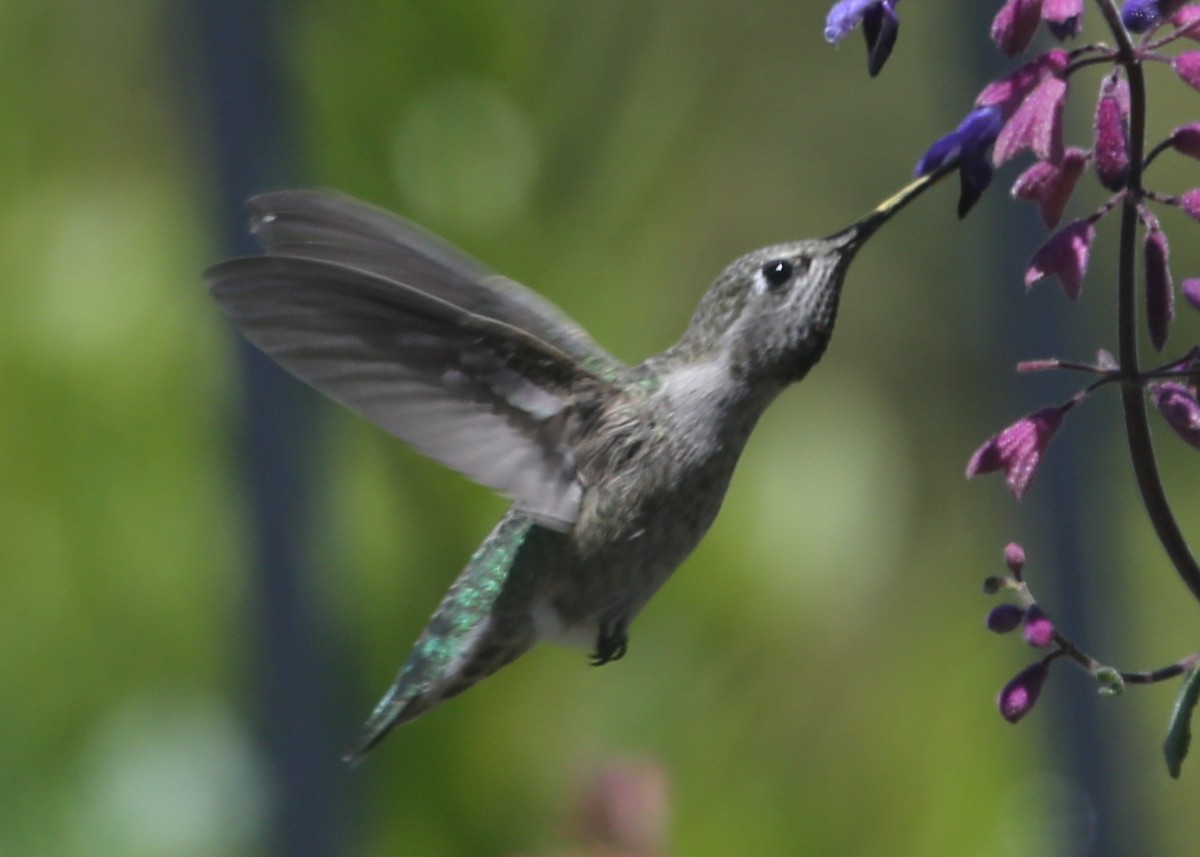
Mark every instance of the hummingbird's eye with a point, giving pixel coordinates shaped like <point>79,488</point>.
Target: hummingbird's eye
<point>777,274</point>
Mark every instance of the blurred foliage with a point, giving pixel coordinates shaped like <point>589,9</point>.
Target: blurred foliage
<point>816,678</point>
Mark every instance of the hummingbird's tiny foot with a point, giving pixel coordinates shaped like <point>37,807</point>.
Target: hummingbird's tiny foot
<point>611,643</point>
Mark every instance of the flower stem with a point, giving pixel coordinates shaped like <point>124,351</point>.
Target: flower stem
<point>1137,429</point>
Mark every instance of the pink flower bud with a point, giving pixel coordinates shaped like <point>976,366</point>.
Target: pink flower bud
<point>1039,630</point>
<point>1021,693</point>
<point>1160,295</point>
<point>1187,18</point>
<point>1187,66</point>
<point>1014,557</point>
<point>1112,134</point>
<point>1017,450</point>
<point>1191,290</point>
<point>1065,254</point>
<point>1190,203</point>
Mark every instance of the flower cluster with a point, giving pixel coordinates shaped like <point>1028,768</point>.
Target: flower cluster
<point>1020,693</point>
<point>1021,114</point>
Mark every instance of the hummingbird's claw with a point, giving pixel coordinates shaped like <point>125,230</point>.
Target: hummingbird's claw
<point>611,643</point>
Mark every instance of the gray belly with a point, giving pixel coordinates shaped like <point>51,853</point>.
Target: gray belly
<point>632,532</point>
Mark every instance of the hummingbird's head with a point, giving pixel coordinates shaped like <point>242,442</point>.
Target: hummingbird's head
<point>772,311</point>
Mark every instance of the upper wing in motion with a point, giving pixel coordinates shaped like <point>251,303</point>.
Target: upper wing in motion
<point>401,329</point>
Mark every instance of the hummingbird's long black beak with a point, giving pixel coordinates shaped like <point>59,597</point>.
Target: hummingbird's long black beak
<point>851,239</point>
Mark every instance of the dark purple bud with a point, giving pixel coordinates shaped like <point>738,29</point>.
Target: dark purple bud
<point>1191,290</point>
<point>1004,618</point>
<point>1039,630</point>
<point>1036,124</point>
<point>881,27</point>
<point>1112,133</point>
<point>1187,66</point>
<point>1179,408</point>
<point>1018,449</point>
<point>1050,185</point>
<point>1014,558</point>
<point>1009,91</point>
<point>1138,16</point>
<point>1160,296</point>
<point>1190,203</point>
<point>969,143</point>
<point>1015,24</point>
<point>1063,18</point>
<point>1186,140</point>
<point>1020,694</point>
<point>1065,254</point>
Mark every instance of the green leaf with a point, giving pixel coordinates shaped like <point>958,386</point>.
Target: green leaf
<point>1179,733</point>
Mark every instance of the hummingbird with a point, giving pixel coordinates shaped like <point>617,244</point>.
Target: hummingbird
<point>615,472</point>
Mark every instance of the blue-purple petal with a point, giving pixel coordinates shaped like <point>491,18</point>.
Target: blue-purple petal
<point>844,17</point>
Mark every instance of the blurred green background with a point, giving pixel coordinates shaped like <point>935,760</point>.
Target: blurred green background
<point>816,678</point>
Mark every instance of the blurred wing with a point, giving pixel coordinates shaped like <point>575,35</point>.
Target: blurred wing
<point>336,228</point>
<point>483,397</point>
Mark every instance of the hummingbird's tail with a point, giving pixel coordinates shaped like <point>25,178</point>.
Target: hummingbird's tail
<point>426,679</point>
<point>482,624</point>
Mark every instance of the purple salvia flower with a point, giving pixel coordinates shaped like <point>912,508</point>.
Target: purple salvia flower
<point>1186,140</point>
<point>1009,91</point>
<point>1187,66</point>
<point>1021,693</point>
<point>1063,18</point>
<point>1004,618</point>
<point>1018,449</point>
<point>1191,291</point>
<point>968,143</point>
<point>1050,185</point>
<point>1014,558</point>
<point>1179,408</point>
<point>1160,296</point>
<point>880,26</point>
<point>1036,124</point>
<point>1039,630</point>
<point>1112,133</point>
<point>1015,24</point>
<point>1190,203</point>
<point>1064,255</point>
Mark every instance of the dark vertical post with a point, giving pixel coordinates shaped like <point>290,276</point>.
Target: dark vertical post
<point>244,106</point>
